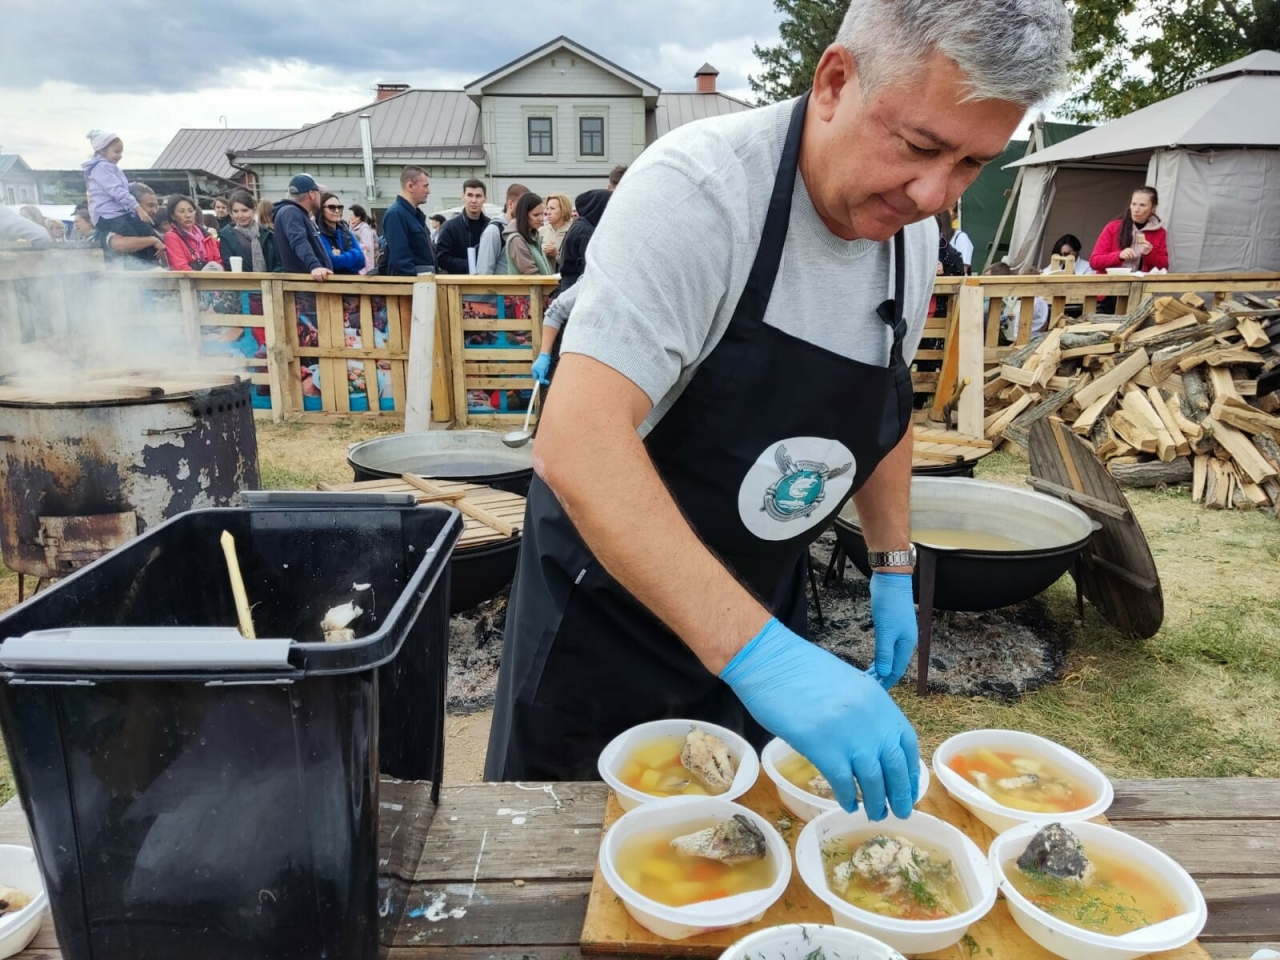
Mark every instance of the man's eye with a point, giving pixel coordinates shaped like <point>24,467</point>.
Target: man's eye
<point>921,151</point>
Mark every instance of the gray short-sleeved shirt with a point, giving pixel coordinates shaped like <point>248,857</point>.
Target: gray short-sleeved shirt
<point>672,253</point>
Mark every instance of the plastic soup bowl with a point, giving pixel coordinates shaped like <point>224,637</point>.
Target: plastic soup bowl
<point>907,936</point>
<point>1073,943</point>
<point>687,814</point>
<point>802,803</point>
<point>996,815</point>
<point>799,941</point>
<point>614,757</point>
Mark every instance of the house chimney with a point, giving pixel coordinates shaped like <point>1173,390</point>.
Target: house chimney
<point>706,78</point>
<point>386,90</point>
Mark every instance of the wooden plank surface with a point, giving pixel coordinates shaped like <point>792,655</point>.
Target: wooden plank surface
<point>525,895</point>
<point>609,928</point>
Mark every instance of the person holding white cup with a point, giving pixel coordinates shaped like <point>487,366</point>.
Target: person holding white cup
<point>246,244</point>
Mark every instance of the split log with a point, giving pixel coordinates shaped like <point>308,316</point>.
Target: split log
<point>1020,430</point>
<point>1188,352</point>
<point>1170,422</point>
<point>1091,414</point>
<point>1199,474</point>
<point>1133,433</point>
<point>1269,449</point>
<point>1070,340</point>
<point>1222,386</point>
<point>1140,411</point>
<point>1152,473</point>
<point>1116,377</point>
<point>1246,418</point>
<point>1019,357</point>
<point>1250,462</point>
<point>1193,300</point>
<point>1195,388</point>
<point>1022,376</point>
<point>1251,495</point>
<point>1255,337</point>
<point>994,425</point>
<point>1217,489</point>
<point>1130,324</point>
<point>1103,439</point>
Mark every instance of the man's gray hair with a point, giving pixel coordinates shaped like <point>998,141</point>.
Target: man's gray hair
<point>140,190</point>
<point>1012,50</point>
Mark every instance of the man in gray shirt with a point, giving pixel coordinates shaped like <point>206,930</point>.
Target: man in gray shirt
<point>738,367</point>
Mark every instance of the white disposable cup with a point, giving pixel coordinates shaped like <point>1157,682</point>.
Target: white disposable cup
<point>237,264</point>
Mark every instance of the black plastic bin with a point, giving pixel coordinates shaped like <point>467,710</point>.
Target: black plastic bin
<point>195,795</point>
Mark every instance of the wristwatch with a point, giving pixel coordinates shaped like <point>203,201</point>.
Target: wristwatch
<point>892,558</point>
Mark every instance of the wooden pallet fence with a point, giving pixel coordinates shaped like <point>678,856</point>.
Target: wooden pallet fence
<point>495,332</point>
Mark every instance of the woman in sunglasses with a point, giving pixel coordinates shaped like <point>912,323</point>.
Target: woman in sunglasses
<point>344,249</point>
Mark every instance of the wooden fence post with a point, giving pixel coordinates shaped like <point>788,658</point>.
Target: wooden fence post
<point>421,365</point>
<point>969,330</point>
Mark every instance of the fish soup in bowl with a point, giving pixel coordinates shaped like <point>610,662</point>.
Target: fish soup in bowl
<point>914,884</point>
<point>687,865</point>
<point>1006,777</point>
<point>809,941</point>
<point>674,758</point>
<point>801,788</point>
<point>1084,891</point>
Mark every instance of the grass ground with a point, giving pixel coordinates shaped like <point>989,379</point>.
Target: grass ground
<point>1200,699</point>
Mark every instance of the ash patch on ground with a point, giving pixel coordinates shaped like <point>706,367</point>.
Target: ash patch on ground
<point>997,653</point>
<point>475,651</point>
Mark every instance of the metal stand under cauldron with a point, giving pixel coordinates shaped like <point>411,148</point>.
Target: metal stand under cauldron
<point>1078,520</point>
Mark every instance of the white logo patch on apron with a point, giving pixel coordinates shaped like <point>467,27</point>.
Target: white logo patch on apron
<point>793,486</point>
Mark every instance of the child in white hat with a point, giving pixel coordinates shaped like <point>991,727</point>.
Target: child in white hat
<point>112,208</point>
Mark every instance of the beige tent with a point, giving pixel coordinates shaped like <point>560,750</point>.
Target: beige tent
<point>1212,152</point>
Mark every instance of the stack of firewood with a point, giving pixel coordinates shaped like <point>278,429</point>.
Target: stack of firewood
<point>1167,394</point>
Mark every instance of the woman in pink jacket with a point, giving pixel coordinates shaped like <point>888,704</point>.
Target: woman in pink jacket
<point>187,245</point>
<point>1137,240</point>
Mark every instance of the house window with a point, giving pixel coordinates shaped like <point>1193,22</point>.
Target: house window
<point>24,194</point>
<point>591,136</point>
<point>540,137</point>
<point>13,197</point>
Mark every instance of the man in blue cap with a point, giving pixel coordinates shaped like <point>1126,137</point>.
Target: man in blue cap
<point>297,239</point>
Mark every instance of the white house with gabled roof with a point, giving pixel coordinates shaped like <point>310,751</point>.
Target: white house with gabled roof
<point>557,119</point>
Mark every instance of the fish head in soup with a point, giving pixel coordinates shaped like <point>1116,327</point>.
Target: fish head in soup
<point>736,840</point>
<point>1057,851</point>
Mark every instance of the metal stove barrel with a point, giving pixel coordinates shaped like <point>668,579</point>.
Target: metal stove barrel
<point>78,479</point>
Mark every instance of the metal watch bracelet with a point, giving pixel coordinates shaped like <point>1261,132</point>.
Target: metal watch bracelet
<point>892,558</point>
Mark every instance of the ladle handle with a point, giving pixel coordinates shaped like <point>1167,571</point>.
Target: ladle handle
<point>532,400</point>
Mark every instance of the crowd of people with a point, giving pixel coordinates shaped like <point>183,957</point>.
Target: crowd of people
<point>311,230</point>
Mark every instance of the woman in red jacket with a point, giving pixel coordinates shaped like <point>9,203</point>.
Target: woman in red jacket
<point>188,246</point>
<point>1136,240</point>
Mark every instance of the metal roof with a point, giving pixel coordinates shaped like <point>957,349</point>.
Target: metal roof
<point>476,87</point>
<point>9,160</point>
<point>677,109</point>
<point>195,148</point>
<point>416,124</point>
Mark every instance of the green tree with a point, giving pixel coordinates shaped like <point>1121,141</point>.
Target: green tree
<point>808,27</point>
<point>1133,53</point>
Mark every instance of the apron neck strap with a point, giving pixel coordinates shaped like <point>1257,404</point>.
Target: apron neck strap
<point>755,296</point>
<point>892,312</point>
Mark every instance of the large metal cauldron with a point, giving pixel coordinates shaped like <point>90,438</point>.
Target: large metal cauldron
<point>971,579</point>
<point>78,479</point>
<point>473,456</point>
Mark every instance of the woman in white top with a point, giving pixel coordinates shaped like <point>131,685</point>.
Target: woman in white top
<point>1068,245</point>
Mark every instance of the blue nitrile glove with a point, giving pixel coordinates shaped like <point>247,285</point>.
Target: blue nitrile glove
<point>838,717</point>
<point>541,367</point>
<point>893,612</point>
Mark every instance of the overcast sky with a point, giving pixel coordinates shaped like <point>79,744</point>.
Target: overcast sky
<point>144,68</point>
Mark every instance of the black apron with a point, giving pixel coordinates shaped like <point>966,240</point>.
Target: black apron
<point>766,443</point>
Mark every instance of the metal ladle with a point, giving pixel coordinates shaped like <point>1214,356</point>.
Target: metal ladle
<point>518,438</point>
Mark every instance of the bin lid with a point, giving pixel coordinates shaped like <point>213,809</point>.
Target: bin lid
<point>1116,570</point>
<point>109,387</point>
<point>142,650</point>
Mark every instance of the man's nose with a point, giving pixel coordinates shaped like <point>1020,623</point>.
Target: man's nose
<point>929,190</point>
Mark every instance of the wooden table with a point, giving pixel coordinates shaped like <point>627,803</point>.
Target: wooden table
<point>506,868</point>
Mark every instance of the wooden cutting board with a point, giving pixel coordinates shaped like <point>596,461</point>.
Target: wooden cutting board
<point>608,927</point>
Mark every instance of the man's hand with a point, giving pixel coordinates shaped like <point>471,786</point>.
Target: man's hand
<point>838,717</point>
<point>143,215</point>
<point>893,612</point>
<point>321,273</point>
